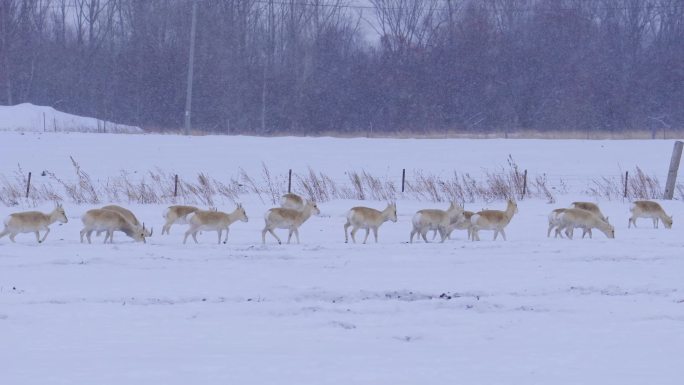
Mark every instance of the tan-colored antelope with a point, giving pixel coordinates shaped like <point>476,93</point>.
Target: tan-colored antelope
<point>649,209</point>
<point>591,207</point>
<point>292,201</point>
<point>110,221</point>
<point>214,221</point>
<point>369,219</point>
<point>177,215</point>
<point>555,222</point>
<point>437,220</point>
<point>128,214</point>
<point>493,220</point>
<point>33,222</point>
<point>586,220</point>
<point>282,218</point>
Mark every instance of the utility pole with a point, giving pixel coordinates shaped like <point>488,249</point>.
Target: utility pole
<point>191,64</point>
<point>674,168</point>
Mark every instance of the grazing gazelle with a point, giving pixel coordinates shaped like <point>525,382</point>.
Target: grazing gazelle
<point>281,218</point>
<point>214,221</point>
<point>649,209</point>
<point>555,222</point>
<point>437,220</point>
<point>33,222</point>
<point>591,207</point>
<point>584,219</point>
<point>292,201</point>
<point>110,221</point>
<point>369,219</point>
<point>128,214</point>
<point>492,220</point>
<point>177,214</point>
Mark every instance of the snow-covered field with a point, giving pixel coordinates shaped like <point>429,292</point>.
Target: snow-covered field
<point>27,117</point>
<point>531,310</point>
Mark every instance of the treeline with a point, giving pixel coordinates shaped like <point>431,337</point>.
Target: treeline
<point>314,66</point>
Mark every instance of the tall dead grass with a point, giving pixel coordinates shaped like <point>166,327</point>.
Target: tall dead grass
<point>159,187</point>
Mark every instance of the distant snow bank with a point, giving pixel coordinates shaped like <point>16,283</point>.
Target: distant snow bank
<point>29,117</point>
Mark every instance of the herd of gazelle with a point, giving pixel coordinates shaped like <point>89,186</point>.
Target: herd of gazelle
<point>295,210</point>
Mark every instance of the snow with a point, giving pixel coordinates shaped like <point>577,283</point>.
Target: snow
<point>28,117</point>
<point>574,161</point>
<point>530,310</point>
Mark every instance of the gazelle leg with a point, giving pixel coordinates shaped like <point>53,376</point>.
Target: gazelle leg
<point>276,237</point>
<point>346,226</point>
<point>47,231</point>
<point>366,238</point>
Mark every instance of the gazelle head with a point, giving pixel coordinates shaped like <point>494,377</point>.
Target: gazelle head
<point>241,214</point>
<point>59,214</point>
<point>139,233</point>
<point>392,208</point>
<point>311,205</point>
<point>147,232</point>
<point>511,204</point>
<point>667,221</point>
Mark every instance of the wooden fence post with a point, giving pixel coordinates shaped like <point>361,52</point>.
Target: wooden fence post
<point>674,167</point>
<point>28,185</point>
<point>289,181</point>
<point>175,186</point>
<point>524,184</point>
<point>626,180</point>
<point>403,179</point>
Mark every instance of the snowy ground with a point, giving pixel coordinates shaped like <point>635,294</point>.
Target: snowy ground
<point>27,117</point>
<point>572,164</point>
<point>530,310</point>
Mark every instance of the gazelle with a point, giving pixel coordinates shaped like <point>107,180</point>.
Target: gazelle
<point>591,207</point>
<point>649,209</point>
<point>214,221</point>
<point>177,214</point>
<point>128,214</point>
<point>555,222</point>
<point>369,219</point>
<point>33,222</point>
<point>493,220</point>
<point>281,218</point>
<point>110,221</point>
<point>292,201</point>
<point>587,220</point>
<point>437,220</point>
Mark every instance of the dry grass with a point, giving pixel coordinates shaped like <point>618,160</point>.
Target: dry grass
<point>159,187</point>
<point>639,186</point>
<point>452,134</point>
